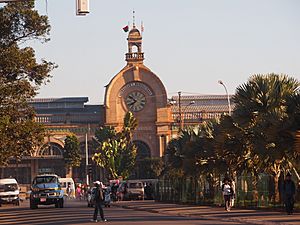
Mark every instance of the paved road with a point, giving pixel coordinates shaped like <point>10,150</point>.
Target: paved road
<point>76,212</point>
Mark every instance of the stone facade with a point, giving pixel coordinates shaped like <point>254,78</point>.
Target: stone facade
<point>61,117</point>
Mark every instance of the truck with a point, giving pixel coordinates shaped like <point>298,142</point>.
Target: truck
<point>46,190</point>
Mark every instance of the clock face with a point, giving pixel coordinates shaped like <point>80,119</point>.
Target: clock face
<point>135,101</point>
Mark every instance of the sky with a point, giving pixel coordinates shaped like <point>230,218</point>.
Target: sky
<point>189,44</point>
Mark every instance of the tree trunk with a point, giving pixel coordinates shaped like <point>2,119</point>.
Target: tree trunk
<point>276,174</point>
<point>69,171</point>
<point>276,188</point>
<point>17,170</point>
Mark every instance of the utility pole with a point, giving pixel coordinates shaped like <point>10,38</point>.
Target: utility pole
<point>179,110</point>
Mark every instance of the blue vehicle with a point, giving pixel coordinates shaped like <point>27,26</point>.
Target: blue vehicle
<point>46,190</point>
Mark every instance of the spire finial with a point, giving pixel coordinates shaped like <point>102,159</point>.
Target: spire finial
<point>133,15</point>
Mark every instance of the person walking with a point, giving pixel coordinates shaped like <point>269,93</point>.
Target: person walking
<point>78,192</point>
<point>98,201</point>
<point>227,193</point>
<point>147,192</point>
<point>69,191</point>
<point>114,190</point>
<point>289,191</point>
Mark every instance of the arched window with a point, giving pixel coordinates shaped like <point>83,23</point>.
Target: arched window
<point>134,48</point>
<point>51,149</point>
<point>143,150</point>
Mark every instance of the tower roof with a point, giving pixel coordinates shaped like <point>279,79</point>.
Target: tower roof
<point>134,54</point>
<point>134,34</point>
<point>134,31</point>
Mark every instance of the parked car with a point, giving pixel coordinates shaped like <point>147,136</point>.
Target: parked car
<point>9,191</point>
<point>46,190</point>
<point>135,190</point>
<point>65,183</point>
<point>130,190</point>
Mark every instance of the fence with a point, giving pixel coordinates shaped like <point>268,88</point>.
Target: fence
<point>204,191</point>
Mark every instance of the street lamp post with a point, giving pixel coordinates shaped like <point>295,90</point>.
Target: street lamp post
<point>87,155</point>
<point>181,110</point>
<point>228,99</point>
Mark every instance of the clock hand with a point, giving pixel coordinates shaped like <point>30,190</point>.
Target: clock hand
<point>132,98</point>
<point>131,103</point>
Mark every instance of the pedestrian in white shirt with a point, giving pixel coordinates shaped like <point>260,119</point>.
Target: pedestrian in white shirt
<point>227,193</point>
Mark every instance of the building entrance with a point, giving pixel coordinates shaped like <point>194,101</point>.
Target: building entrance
<point>143,150</point>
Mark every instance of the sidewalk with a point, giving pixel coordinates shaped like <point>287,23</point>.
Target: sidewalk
<point>244,216</point>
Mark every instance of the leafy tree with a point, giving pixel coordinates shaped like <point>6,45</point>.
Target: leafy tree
<point>104,133</point>
<point>180,156</point>
<point>231,145</point>
<point>72,151</point>
<point>193,155</point>
<point>117,152</point>
<point>20,77</point>
<point>173,159</point>
<point>234,152</point>
<point>191,152</point>
<point>261,109</point>
<point>293,112</point>
<point>18,137</point>
<point>258,137</point>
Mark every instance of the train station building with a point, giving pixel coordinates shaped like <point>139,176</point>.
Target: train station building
<point>135,88</point>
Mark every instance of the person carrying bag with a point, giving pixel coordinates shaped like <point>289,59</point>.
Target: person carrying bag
<point>97,198</point>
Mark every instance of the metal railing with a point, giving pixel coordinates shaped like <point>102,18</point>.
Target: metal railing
<point>204,192</point>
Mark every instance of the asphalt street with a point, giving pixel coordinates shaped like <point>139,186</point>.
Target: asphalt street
<point>77,212</point>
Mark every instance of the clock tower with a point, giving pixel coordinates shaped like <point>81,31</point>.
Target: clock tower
<point>137,89</point>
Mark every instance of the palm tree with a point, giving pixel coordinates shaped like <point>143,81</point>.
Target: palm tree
<point>261,110</point>
<point>294,128</point>
<point>178,154</point>
<point>230,144</point>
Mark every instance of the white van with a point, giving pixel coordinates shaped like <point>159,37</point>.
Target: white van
<point>135,190</point>
<point>9,191</point>
<point>66,182</point>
